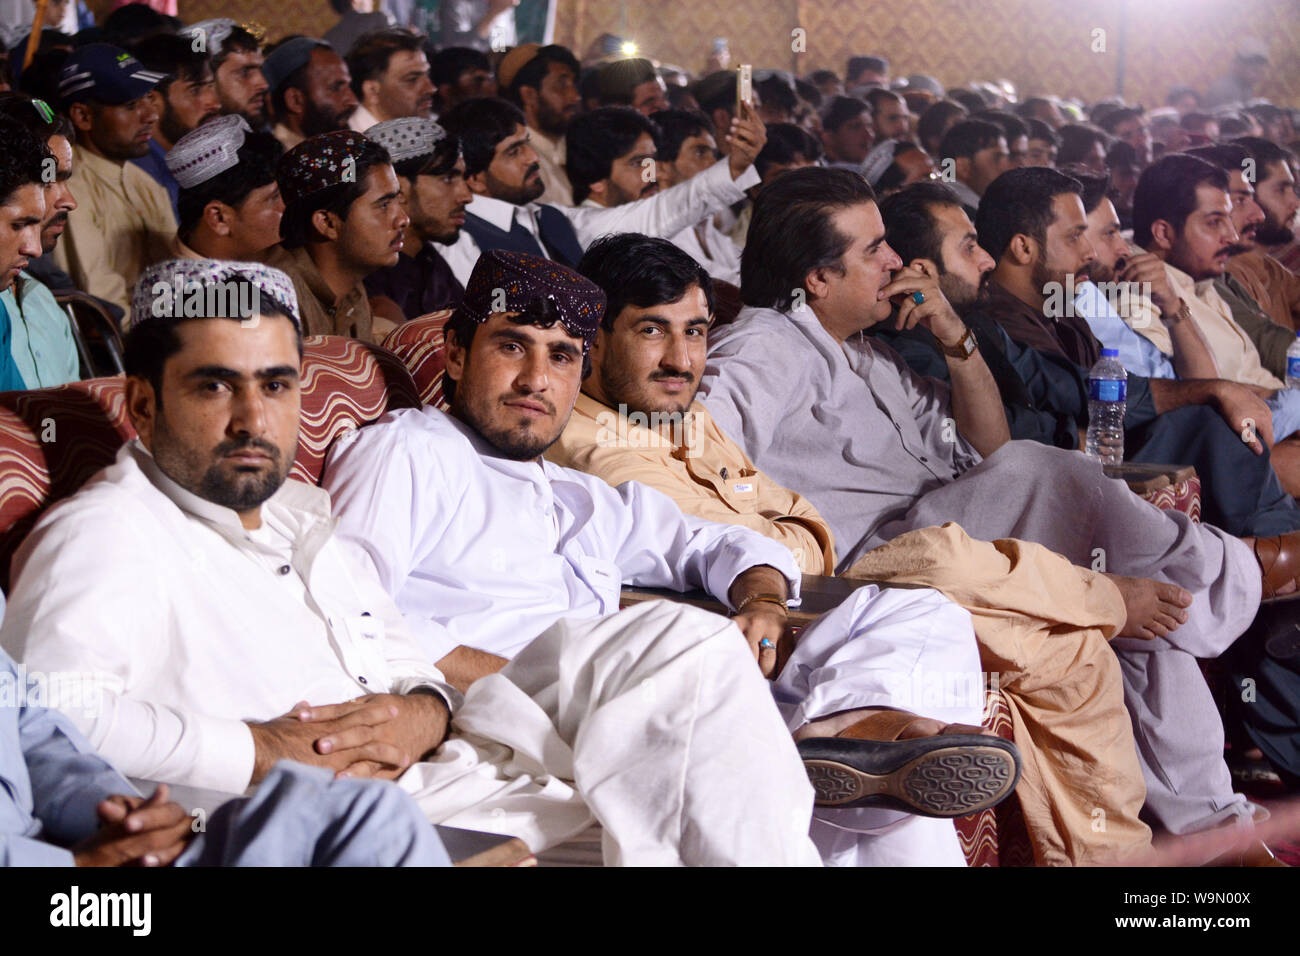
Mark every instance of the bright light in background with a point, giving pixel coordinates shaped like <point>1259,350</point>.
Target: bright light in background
<point>628,48</point>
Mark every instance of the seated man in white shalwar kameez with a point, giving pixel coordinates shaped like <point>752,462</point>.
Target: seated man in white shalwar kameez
<point>484,546</point>
<point>207,600</point>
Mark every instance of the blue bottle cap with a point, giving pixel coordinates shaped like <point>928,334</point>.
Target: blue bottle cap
<point>1114,353</point>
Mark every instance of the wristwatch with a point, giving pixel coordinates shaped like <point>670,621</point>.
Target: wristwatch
<point>963,349</point>
<point>1182,315</point>
<point>762,598</point>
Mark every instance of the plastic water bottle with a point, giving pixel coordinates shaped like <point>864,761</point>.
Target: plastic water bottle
<point>1107,399</point>
<point>1293,364</point>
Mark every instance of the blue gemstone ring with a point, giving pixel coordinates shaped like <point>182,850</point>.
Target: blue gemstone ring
<point>918,297</point>
<point>765,644</point>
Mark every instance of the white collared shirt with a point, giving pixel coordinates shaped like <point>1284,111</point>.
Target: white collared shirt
<point>189,626</point>
<point>713,249</point>
<point>551,154</point>
<point>663,215</point>
<point>362,119</point>
<point>486,552</point>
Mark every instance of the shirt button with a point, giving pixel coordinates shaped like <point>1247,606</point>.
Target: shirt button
<point>284,569</point>
<point>925,460</point>
<point>362,679</point>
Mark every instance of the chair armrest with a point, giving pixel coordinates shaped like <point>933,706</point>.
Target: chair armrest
<point>818,594</point>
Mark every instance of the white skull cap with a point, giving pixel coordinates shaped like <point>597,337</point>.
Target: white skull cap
<point>165,289</point>
<point>407,137</point>
<point>207,151</point>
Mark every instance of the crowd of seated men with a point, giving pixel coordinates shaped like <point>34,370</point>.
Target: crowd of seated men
<point>695,340</point>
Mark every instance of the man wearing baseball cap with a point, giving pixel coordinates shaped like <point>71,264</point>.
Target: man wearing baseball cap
<point>124,219</point>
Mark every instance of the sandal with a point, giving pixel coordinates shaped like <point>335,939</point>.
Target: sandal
<point>945,775</point>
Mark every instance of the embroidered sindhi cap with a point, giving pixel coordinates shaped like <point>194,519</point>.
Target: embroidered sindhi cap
<point>209,288</point>
<point>99,71</point>
<point>207,150</point>
<point>505,281</point>
<point>320,162</point>
<point>407,137</point>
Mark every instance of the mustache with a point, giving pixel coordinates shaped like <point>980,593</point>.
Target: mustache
<point>533,170</point>
<point>685,376</point>
<point>243,444</point>
<point>544,402</point>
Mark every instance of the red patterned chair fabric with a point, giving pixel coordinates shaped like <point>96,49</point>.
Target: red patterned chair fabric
<point>996,837</point>
<point>1185,496</point>
<point>52,440</point>
<point>345,384</point>
<point>420,345</point>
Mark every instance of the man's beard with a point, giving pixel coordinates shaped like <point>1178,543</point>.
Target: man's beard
<point>618,196</point>
<point>620,390</point>
<point>1042,278</point>
<point>1270,233</point>
<point>173,129</point>
<point>515,444</point>
<point>1100,272</point>
<point>316,120</point>
<point>961,295</point>
<point>551,121</point>
<point>47,246</point>
<point>516,195</point>
<point>244,493</point>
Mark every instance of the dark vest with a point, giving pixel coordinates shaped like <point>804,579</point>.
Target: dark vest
<point>559,240</point>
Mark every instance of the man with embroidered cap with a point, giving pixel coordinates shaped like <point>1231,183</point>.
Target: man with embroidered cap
<point>208,598</point>
<point>237,65</point>
<point>485,545</point>
<point>310,90</point>
<point>124,219</point>
<point>230,205</point>
<point>343,219</point>
<point>431,172</point>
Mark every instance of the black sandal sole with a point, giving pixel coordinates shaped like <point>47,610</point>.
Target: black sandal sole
<point>943,776</point>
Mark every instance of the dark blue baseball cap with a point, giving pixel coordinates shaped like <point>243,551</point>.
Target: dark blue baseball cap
<point>106,73</point>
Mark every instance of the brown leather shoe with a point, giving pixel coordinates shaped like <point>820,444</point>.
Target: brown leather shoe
<point>950,774</point>
<point>1279,562</point>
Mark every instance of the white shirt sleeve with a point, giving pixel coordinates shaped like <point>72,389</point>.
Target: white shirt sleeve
<point>667,213</point>
<point>372,478</point>
<point>408,663</point>
<point>659,546</point>
<point>87,610</point>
